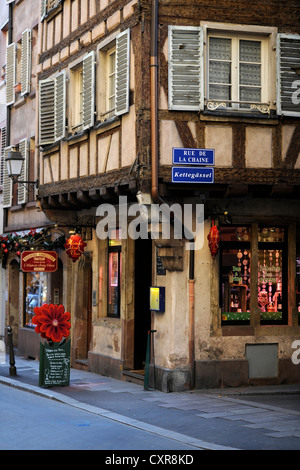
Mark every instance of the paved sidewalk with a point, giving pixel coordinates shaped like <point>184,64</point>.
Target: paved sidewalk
<point>207,419</point>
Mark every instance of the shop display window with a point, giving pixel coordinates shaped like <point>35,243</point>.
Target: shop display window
<point>236,289</point>
<point>114,273</point>
<point>36,290</point>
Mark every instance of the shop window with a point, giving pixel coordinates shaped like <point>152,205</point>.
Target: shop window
<point>272,274</point>
<point>114,274</point>
<point>36,290</point>
<point>235,274</point>
<point>298,275</point>
<point>235,283</point>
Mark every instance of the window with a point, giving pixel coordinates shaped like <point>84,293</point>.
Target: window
<point>47,6</point>
<point>36,294</point>
<point>237,72</point>
<point>236,290</point>
<point>18,53</point>
<point>114,274</point>
<point>213,69</point>
<point>113,77</point>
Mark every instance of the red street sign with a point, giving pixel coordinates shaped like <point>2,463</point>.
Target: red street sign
<point>39,261</point>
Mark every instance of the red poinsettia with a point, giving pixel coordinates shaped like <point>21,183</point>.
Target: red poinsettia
<point>52,322</point>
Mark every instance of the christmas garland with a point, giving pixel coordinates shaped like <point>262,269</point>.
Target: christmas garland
<point>16,243</point>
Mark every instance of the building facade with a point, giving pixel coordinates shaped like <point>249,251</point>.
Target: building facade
<point>194,110</point>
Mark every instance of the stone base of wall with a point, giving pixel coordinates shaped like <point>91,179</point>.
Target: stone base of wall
<point>235,373</point>
<point>105,365</point>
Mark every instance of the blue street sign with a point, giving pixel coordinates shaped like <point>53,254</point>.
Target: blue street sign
<point>192,175</point>
<point>182,156</point>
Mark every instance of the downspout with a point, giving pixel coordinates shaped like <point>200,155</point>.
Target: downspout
<point>8,108</point>
<point>154,174</point>
<point>153,94</point>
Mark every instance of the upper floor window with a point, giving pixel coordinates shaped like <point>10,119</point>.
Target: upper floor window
<point>47,6</point>
<point>212,68</point>
<point>18,54</point>
<point>96,90</point>
<point>113,77</point>
<point>237,72</point>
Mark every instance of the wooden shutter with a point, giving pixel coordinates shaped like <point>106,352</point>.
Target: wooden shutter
<point>186,68</point>
<point>10,73</point>
<point>46,111</point>
<point>26,62</point>
<point>88,91</point>
<point>3,145</point>
<point>288,82</point>
<point>22,192</point>
<point>7,182</point>
<point>60,105</point>
<point>122,72</point>
<point>43,9</point>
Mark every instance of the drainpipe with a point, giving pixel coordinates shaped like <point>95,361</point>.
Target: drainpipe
<point>154,114</point>
<point>154,172</point>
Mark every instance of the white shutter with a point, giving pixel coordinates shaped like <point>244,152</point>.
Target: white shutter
<point>88,91</point>
<point>22,193</point>
<point>10,73</point>
<point>3,145</point>
<point>26,62</point>
<point>7,182</point>
<point>288,82</point>
<point>46,112</point>
<point>122,72</point>
<point>43,9</point>
<point>60,105</point>
<point>186,84</point>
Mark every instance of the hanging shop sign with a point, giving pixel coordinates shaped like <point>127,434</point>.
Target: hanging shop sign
<point>74,247</point>
<point>39,261</point>
<point>188,156</point>
<point>192,175</point>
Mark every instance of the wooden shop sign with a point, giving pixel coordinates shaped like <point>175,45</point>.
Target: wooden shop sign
<point>39,261</point>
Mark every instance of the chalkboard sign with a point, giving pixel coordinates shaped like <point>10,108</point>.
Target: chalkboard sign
<point>55,364</point>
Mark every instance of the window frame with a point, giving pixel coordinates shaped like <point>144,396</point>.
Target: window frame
<point>280,245</point>
<point>114,249</point>
<point>236,102</point>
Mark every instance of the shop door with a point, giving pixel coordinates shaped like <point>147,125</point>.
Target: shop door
<point>142,316</point>
<point>83,308</point>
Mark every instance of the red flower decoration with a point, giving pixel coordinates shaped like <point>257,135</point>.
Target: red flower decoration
<point>52,322</point>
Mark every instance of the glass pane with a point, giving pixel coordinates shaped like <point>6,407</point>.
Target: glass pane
<point>250,94</point>
<point>113,283</point>
<point>271,234</point>
<point>36,294</point>
<point>235,285</point>
<point>250,74</point>
<point>115,237</point>
<point>219,72</point>
<point>219,49</point>
<point>270,284</point>
<point>250,51</point>
<point>219,92</point>
<point>233,234</point>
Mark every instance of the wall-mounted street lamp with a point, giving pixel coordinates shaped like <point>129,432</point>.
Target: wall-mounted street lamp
<point>14,163</point>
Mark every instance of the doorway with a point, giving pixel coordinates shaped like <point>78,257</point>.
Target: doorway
<point>83,308</point>
<point>142,315</point>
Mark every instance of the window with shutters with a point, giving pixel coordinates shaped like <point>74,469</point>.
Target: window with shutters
<point>52,109</point>
<point>217,70</point>
<point>3,144</point>
<point>82,95</point>
<point>50,6</point>
<point>7,183</point>
<point>113,77</point>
